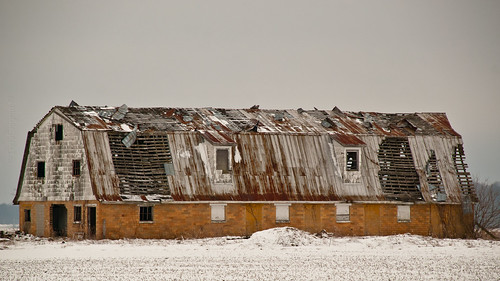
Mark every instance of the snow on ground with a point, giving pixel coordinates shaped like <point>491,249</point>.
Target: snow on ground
<point>274,254</point>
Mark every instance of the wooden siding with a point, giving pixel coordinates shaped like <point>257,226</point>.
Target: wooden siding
<point>100,164</point>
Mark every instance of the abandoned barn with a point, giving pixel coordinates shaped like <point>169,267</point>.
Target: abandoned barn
<point>120,172</point>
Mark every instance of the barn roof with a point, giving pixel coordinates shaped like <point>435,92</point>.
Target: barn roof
<point>217,124</point>
<point>283,152</point>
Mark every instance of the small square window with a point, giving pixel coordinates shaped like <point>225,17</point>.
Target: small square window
<point>404,213</point>
<point>76,168</point>
<point>282,212</point>
<point>77,213</point>
<point>222,160</point>
<point>58,132</point>
<point>218,212</point>
<point>40,169</point>
<point>343,212</point>
<point>146,213</point>
<point>352,160</point>
<point>27,215</point>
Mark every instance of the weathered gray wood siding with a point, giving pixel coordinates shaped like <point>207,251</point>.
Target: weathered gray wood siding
<point>443,147</point>
<point>58,184</point>
<point>100,164</point>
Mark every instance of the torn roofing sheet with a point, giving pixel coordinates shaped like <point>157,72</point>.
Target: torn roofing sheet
<point>217,125</point>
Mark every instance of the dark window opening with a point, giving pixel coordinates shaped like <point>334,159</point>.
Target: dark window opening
<point>222,160</point>
<point>27,215</point>
<point>59,132</point>
<point>352,160</point>
<point>40,169</point>
<point>77,214</point>
<point>146,213</point>
<point>76,167</point>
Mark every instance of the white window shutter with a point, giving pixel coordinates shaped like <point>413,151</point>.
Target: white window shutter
<point>404,213</point>
<point>218,212</point>
<point>282,212</point>
<point>343,212</point>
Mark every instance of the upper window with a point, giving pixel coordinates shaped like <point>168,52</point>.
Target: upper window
<point>282,212</point>
<point>77,213</point>
<point>352,160</point>
<point>76,167</point>
<point>343,212</point>
<point>40,169</point>
<point>222,160</point>
<point>218,212</point>
<point>27,215</point>
<point>58,132</point>
<point>404,213</point>
<point>146,213</point>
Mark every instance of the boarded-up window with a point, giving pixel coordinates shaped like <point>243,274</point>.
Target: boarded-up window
<point>404,213</point>
<point>218,212</point>
<point>146,213</point>
<point>222,159</point>
<point>40,169</point>
<point>352,160</point>
<point>58,132</point>
<point>76,168</point>
<point>77,213</point>
<point>27,215</point>
<point>282,212</point>
<point>343,212</point>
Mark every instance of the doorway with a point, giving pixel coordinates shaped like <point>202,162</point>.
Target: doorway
<point>91,221</point>
<point>59,219</point>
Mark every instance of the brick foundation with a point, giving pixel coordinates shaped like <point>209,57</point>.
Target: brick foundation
<point>193,219</point>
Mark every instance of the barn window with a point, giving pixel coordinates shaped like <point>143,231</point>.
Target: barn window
<point>282,212</point>
<point>76,168</point>
<point>27,215</point>
<point>218,212</point>
<point>352,160</point>
<point>58,132</point>
<point>77,214</point>
<point>40,169</point>
<point>343,212</point>
<point>222,159</point>
<point>146,214</point>
<point>403,213</point>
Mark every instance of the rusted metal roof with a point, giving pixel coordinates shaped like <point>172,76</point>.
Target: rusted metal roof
<point>276,155</point>
<point>218,124</point>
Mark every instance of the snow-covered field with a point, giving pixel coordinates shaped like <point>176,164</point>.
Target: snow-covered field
<point>275,254</point>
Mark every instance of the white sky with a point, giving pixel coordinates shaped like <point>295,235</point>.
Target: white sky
<point>385,56</point>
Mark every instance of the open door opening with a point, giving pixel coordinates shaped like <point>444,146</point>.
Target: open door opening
<point>91,221</point>
<point>59,220</point>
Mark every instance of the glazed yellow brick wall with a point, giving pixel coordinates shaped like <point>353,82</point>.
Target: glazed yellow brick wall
<point>73,229</point>
<point>175,220</point>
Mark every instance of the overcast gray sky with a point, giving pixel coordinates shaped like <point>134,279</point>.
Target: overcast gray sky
<point>385,56</point>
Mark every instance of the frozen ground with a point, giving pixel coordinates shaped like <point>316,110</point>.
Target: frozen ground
<point>275,254</point>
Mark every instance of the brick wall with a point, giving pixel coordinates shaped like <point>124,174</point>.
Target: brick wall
<point>188,220</point>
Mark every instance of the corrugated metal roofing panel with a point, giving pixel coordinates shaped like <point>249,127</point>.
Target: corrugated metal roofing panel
<point>102,175</point>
